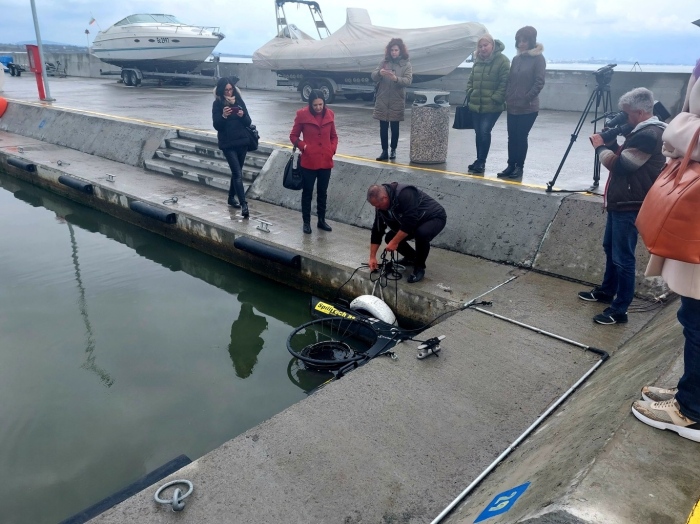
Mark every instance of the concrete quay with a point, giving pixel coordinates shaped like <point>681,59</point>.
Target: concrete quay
<point>398,441</point>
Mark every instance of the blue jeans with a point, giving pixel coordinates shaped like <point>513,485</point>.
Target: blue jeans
<point>619,242</point>
<point>483,124</point>
<point>688,395</point>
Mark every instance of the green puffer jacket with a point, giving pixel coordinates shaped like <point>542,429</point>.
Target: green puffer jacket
<point>486,88</point>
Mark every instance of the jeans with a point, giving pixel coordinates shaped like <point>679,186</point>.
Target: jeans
<point>483,124</point>
<point>384,134</point>
<point>236,158</point>
<point>308,178</point>
<point>518,130</point>
<point>425,232</point>
<point>688,395</point>
<point>619,243</point>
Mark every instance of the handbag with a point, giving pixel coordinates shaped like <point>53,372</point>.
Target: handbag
<point>669,219</point>
<point>463,117</point>
<point>292,173</point>
<point>253,137</point>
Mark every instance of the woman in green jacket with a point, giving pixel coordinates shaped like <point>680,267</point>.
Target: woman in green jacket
<point>486,91</point>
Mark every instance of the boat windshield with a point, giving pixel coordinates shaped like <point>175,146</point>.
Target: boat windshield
<point>149,19</point>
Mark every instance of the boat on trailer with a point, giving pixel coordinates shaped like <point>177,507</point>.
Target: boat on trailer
<point>348,56</point>
<point>155,43</point>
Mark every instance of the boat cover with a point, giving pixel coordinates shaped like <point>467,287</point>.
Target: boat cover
<point>359,45</point>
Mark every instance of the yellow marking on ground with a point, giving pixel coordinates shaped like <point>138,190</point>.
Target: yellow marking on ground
<point>694,517</point>
<point>287,146</point>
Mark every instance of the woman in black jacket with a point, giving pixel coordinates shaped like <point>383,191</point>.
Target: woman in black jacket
<point>230,117</point>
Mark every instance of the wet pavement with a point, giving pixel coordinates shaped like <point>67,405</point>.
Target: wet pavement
<point>273,113</point>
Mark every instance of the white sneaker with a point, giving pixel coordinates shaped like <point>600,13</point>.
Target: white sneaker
<point>666,415</point>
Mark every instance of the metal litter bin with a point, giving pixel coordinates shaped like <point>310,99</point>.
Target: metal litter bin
<point>430,127</point>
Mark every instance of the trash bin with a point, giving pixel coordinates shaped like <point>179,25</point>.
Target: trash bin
<point>430,127</point>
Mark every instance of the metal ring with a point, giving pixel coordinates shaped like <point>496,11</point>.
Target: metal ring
<point>176,500</point>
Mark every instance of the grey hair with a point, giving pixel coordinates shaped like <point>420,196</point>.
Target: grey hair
<point>375,191</point>
<point>639,98</point>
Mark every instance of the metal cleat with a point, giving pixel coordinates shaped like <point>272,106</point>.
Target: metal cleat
<point>430,347</point>
<point>263,225</point>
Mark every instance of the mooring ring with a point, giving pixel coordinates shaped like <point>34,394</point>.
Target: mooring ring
<point>175,501</point>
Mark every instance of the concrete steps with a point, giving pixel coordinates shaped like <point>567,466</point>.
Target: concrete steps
<point>196,157</point>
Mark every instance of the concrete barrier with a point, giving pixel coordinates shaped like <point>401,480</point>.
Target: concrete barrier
<point>126,142</point>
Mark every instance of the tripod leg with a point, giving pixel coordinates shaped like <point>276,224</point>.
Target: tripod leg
<point>607,106</point>
<point>574,136</point>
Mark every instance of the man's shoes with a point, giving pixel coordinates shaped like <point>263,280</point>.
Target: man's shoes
<point>416,276</point>
<point>392,155</point>
<point>232,202</point>
<point>477,168</point>
<point>666,415</point>
<point>307,228</point>
<point>608,317</point>
<point>322,224</point>
<point>244,210</point>
<point>596,295</point>
<point>506,172</point>
<point>654,394</point>
<point>517,174</point>
<point>384,156</point>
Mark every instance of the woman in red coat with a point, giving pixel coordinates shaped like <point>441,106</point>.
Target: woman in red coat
<point>314,134</point>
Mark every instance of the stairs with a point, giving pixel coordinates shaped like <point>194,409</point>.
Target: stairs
<point>197,157</point>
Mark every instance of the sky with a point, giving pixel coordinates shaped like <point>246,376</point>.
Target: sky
<point>644,31</point>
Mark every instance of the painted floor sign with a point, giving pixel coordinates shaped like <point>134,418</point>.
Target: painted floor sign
<point>502,502</point>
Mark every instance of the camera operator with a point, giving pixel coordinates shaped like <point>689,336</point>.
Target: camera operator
<point>633,168</point>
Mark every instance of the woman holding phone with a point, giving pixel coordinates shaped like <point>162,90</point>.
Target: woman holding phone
<point>314,134</point>
<point>230,117</point>
<point>393,74</point>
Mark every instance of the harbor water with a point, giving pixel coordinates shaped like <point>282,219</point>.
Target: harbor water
<point>120,350</point>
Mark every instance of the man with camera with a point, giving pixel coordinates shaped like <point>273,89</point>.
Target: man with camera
<point>633,167</point>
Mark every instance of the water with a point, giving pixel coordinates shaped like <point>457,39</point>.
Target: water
<point>120,350</point>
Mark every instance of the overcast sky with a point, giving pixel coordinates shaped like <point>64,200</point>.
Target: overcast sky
<point>647,31</point>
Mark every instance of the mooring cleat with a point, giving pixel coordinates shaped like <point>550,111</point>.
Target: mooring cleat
<point>429,347</point>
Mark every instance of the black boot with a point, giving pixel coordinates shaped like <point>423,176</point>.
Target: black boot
<point>384,156</point>
<point>307,228</point>
<point>392,155</point>
<point>322,224</point>
<point>517,173</point>
<point>507,171</point>
<point>477,168</point>
<point>244,210</point>
<point>232,202</point>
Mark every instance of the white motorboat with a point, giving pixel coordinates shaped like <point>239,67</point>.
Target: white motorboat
<point>354,50</point>
<point>155,42</point>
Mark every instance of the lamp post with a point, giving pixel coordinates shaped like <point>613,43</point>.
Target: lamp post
<point>41,55</point>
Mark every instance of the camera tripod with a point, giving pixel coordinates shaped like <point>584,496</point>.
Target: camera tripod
<point>601,97</point>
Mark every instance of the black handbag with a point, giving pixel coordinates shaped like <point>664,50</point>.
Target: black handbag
<point>292,173</point>
<point>463,117</point>
<point>253,137</point>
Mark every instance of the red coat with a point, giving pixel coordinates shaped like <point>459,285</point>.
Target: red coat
<point>319,143</point>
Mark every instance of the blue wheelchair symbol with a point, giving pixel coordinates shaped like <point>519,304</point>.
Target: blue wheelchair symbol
<point>502,502</point>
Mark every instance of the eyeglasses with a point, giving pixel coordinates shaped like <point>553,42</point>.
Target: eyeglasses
<point>228,90</point>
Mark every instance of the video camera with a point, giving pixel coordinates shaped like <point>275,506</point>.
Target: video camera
<point>604,74</point>
<point>617,124</point>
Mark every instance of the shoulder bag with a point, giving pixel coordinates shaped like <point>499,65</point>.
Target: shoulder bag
<point>292,173</point>
<point>669,219</point>
<point>253,137</point>
<point>463,117</point>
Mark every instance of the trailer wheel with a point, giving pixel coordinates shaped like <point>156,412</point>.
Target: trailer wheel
<point>12,71</point>
<point>367,97</point>
<point>327,91</point>
<point>126,78</point>
<point>305,91</point>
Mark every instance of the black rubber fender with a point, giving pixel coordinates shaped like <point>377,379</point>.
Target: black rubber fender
<point>76,183</point>
<point>22,164</point>
<point>268,252</point>
<point>148,210</point>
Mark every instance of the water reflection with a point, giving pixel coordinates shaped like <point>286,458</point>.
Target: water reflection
<point>246,342</point>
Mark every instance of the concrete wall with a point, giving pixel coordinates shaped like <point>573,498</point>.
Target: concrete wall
<point>125,142</point>
<point>563,90</point>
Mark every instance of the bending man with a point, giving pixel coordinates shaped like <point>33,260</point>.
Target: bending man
<point>409,214</point>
